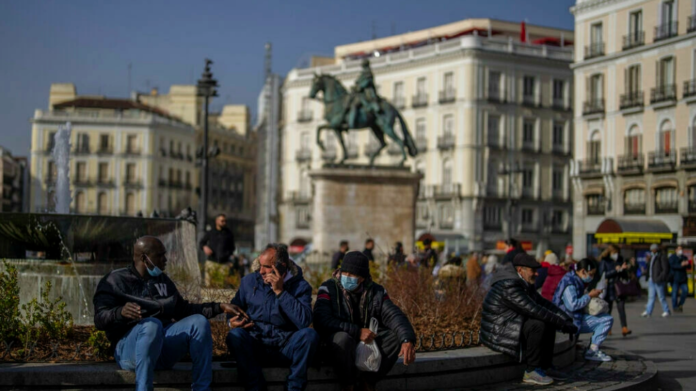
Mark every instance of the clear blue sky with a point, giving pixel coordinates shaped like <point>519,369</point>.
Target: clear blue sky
<point>91,42</point>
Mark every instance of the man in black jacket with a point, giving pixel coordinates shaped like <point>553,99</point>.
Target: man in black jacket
<point>345,305</point>
<point>369,246</point>
<point>218,246</point>
<point>658,275</point>
<point>150,326</point>
<point>517,321</point>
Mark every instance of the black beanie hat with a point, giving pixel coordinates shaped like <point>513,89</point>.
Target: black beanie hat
<point>355,262</point>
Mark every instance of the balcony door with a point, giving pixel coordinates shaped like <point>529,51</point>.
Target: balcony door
<point>635,26</point>
<point>596,89</point>
<point>446,173</point>
<point>594,148</point>
<point>665,72</point>
<point>596,37</point>
<point>667,13</point>
<point>666,138</point>
<point>633,80</point>
<point>634,143</point>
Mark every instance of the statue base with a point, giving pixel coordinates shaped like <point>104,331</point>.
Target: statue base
<point>356,203</point>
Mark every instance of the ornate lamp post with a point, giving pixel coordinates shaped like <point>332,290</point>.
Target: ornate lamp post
<point>207,88</point>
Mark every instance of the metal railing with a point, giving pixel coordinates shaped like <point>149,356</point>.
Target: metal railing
<point>399,102</point>
<point>634,209</point>
<point>559,149</point>
<point>303,155</point>
<point>691,24</point>
<point>448,95</point>
<point>81,150</point>
<point>594,50</point>
<point>687,156</point>
<point>630,162</point>
<point>494,95</point>
<point>445,142</point>
<point>559,104</point>
<point>668,207</point>
<point>422,144</point>
<point>631,100</point>
<point>446,190</point>
<point>132,151</point>
<point>596,209</point>
<point>666,31</point>
<point>107,150</point>
<point>419,100</point>
<point>529,100</point>
<point>132,183</point>
<point>593,106</point>
<point>689,88</point>
<point>529,146</point>
<point>663,93</point>
<point>633,40</point>
<point>662,159</point>
<point>589,166</point>
<point>304,116</point>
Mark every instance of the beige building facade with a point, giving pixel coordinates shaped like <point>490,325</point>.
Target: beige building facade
<point>635,64</point>
<point>491,117</point>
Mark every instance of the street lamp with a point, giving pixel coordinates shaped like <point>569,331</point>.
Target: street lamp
<point>207,88</point>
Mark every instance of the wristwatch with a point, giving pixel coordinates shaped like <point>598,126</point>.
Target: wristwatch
<point>406,341</point>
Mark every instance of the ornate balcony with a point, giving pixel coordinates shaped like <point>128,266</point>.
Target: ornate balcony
<point>419,100</point>
<point>304,116</point>
<point>630,164</point>
<point>594,50</point>
<point>663,93</point>
<point>687,156</point>
<point>450,190</point>
<point>303,155</point>
<point>633,40</point>
<point>399,102</point>
<point>597,209</point>
<point>691,24</point>
<point>132,183</point>
<point>666,31</point>
<point>105,150</point>
<point>445,142</point>
<point>634,209</point>
<point>593,106</point>
<point>662,160</point>
<point>529,100</point>
<point>669,207</point>
<point>631,100</point>
<point>81,150</point>
<point>559,104</point>
<point>495,95</point>
<point>590,167</point>
<point>690,88</point>
<point>448,95</point>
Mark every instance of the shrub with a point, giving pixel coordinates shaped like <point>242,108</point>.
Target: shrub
<point>10,323</point>
<point>99,343</point>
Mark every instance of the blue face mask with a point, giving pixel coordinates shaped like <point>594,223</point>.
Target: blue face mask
<point>156,271</point>
<point>587,279</point>
<point>350,283</point>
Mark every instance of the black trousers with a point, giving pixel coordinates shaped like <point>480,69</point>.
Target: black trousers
<point>340,352</point>
<point>538,341</point>
<point>621,306</point>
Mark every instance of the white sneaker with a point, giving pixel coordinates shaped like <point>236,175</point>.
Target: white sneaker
<point>665,314</point>
<point>645,314</point>
<point>596,355</point>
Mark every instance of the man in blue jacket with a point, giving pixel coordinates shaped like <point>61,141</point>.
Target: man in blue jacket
<point>276,330</point>
<point>679,264</point>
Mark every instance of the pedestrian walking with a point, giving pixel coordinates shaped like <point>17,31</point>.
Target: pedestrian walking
<point>614,267</point>
<point>398,258</point>
<point>679,264</point>
<point>512,248</point>
<point>338,255</point>
<point>554,274</point>
<point>429,255</point>
<point>473,271</point>
<point>369,246</point>
<point>658,275</point>
<point>218,246</point>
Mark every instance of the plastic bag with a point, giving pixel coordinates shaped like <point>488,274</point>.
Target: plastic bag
<point>602,286</point>
<point>367,356</point>
<point>597,306</point>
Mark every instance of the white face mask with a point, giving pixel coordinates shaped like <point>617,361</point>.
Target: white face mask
<point>679,252</point>
<point>615,256</point>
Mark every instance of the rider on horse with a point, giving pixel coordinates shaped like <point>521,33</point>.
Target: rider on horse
<point>364,94</point>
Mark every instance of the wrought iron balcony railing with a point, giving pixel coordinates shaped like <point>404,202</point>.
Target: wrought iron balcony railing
<point>593,106</point>
<point>633,40</point>
<point>448,95</point>
<point>662,159</point>
<point>631,163</point>
<point>666,31</point>
<point>594,50</point>
<point>689,88</point>
<point>445,142</point>
<point>663,93</point>
<point>631,100</point>
<point>419,100</point>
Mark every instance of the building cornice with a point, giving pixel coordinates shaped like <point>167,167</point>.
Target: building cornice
<point>591,5</point>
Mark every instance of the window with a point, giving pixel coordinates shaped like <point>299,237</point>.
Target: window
<point>494,130</point>
<point>447,172</point>
<point>304,141</point>
<point>491,216</point>
<point>305,186</point>
<point>558,90</point>
<point>132,143</point>
<point>595,204</point>
<point>171,147</point>
<point>104,142</point>
<point>130,204</point>
<point>666,141</point>
<point>102,204</point>
<point>665,72</point>
<point>82,142</point>
<point>398,91</point>
<point>494,85</point>
<point>633,79</point>
<point>528,86</point>
<point>171,176</point>
<point>103,172</point>
<point>179,148</point>
<point>130,173</point>
<point>666,200</point>
<point>634,201</point>
<point>178,177</point>
<point>528,132</point>
<point>527,216</point>
<point>527,178</point>
<point>448,82</point>
<point>667,12</point>
<point>557,136</point>
<point>81,172</point>
<point>557,217</point>
<point>80,203</point>
<point>421,134</point>
<point>635,26</point>
<point>448,125</point>
<point>51,141</point>
<point>596,88</point>
<point>634,142</point>
<point>557,179</point>
<point>420,86</point>
<point>446,216</point>
<point>52,173</point>
<point>596,34</point>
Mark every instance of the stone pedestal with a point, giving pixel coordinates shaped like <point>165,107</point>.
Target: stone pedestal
<point>354,203</point>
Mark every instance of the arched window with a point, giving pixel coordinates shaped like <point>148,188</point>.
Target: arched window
<point>80,203</point>
<point>102,204</point>
<point>130,204</point>
<point>666,135</point>
<point>634,202</point>
<point>447,172</point>
<point>634,142</point>
<point>666,200</point>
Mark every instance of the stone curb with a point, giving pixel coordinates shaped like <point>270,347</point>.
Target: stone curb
<point>645,380</point>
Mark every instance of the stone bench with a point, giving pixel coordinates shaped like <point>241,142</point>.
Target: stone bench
<point>447,369</point>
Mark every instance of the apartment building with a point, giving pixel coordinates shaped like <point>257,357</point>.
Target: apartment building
<point>635,119</point>
<point>488,103</point>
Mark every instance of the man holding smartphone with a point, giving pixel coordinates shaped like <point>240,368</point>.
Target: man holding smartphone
<point>276,330</point>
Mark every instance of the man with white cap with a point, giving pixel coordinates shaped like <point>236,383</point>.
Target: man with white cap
<point>658,274</point>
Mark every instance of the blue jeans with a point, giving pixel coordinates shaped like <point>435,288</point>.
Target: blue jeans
<point>251,355</point>
<point>599,326</point>
<point>659,288</point>
<point>149,346</point>
<point>684,287</point>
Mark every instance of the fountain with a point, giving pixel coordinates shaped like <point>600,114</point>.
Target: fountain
<point>75,251</point>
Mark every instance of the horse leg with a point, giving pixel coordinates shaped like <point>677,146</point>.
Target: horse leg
<point>388,128</point>
<point>319,142</point>
<point>339,135</point>
<point>380,137</point>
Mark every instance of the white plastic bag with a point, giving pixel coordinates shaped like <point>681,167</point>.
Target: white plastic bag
<point>367,356</point>
<point>602,286</point>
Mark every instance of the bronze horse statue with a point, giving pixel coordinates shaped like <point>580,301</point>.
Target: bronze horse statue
<point>336,101</point>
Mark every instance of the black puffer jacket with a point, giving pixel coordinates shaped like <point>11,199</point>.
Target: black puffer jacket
<point>333,314</point>
<point>507,305</point>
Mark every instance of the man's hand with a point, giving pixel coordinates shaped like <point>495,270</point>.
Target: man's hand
<point>131,311</point>
<point>276,281</point>
<point>239,321</point>
<point>367,336</point>
<point>207,250</point>
<point>233,310</point>
<point>595,293</point>
<point>685,263</point>
<point>569,328</point>
<point>408,351</point>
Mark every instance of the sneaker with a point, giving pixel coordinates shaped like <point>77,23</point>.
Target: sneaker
<point>538,377</point>
<point>665,314</point>
<point>645,314</point>
<point>596,355</point>
<point>679,309</point>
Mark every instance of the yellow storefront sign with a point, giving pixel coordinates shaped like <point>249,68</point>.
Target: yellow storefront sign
<point>632,237</point>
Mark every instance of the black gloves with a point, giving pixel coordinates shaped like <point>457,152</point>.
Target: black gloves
<point>569,328</point>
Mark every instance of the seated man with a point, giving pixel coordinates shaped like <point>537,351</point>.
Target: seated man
<point>149,324</point>
<point>517,321</point>
<point>571,297</point>
<point>339,319</point>
<point>276,331</point>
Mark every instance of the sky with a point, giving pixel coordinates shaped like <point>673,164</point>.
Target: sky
<point>92,42</point>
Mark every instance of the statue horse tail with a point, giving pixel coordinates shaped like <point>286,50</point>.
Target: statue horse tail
<point>408,141</point>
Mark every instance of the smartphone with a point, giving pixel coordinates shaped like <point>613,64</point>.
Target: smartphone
<point>281,267</point>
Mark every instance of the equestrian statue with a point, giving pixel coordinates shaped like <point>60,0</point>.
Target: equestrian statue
<point>362,108</point>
